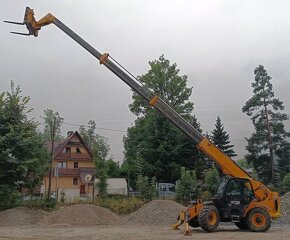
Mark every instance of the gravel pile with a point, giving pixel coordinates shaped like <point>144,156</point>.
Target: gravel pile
<point>80,215</point>
<point>157,212</point>
<point>20,216</point>
<point>285,209</point>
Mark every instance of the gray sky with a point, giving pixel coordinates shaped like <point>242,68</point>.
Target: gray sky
<point>217,43</point>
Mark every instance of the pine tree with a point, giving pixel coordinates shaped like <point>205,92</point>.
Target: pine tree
<point>221,139</point>
<point>269,138</point>
<point>23,156</point>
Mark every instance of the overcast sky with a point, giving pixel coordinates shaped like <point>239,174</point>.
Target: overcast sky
<point>216,43</point>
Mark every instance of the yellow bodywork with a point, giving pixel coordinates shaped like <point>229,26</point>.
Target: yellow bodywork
<point>190,213</point>
<point>153,101</point>
<point>34,26</point>
<point>264,197</point>
<point>228,166</point>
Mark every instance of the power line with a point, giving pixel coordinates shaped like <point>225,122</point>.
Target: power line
<point>106,129</point>
<point>238,140</point>
<point>86,126</point>
<point>123,131</point>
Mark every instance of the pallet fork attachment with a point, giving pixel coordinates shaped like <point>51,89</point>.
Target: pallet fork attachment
<point>32,25</point>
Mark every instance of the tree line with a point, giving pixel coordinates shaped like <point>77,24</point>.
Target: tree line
<point>154,149</point>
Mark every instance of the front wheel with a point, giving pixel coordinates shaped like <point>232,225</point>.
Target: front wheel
<point>259,220</point>
<point>209,218</point>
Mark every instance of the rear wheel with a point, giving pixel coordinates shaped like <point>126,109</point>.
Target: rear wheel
<point>242,224</point>
<point>209,218</point>
<point>194,222</point>
<point>259,220</point>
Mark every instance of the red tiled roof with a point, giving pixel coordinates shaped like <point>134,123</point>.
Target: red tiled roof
<point>60,145</point>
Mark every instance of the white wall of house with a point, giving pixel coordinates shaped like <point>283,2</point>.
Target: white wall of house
<point>116,186</point>
<point>69,195</point>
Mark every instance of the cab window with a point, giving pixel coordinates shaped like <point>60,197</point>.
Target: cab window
<point>233,187</point>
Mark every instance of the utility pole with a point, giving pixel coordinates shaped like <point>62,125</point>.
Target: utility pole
<point>52,136</point>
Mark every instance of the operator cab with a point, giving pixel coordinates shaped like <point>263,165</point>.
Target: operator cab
<point>232,196</point>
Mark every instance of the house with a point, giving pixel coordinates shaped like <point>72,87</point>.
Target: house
<point>73,169</point>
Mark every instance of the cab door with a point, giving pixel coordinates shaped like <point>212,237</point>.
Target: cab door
<point>237,195</point>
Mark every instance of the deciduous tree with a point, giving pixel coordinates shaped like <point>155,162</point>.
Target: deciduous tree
<point>52,125</point>
<point>153,140</point>
<point>99,145</point>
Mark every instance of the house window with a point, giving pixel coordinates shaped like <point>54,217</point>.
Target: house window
<point>76,164</point>
<point>61,164</point>
<point>75,181</point>
<point>78,150</point>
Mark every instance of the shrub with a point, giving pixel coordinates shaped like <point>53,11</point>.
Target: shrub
<point>205,196</point>
<point>40,204</point>
<point>186,186</point>
<point>146,187</point>
<point>121,205</point>
<point>212,179</point>
<point>286,183</point>
<point>8,197</point>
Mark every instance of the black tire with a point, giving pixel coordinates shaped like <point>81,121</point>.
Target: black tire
<point>242,224</point>
<point>209,218</point>
<point>259,220</point>
<point>194,222</point>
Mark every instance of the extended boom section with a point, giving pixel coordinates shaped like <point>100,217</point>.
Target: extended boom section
<point>239,198</point>
<point>153,100</point>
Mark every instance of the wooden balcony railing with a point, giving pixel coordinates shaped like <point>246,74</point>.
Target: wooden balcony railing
<point>74,156</point>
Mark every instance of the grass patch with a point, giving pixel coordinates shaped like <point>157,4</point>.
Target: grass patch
<point>121,205</point>
<point>43,204</point>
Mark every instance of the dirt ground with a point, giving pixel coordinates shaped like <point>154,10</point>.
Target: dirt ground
<point>135,232</point>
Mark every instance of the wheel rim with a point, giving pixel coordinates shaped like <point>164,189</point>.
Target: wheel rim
<point>258,220</point>
<point>212,218</point>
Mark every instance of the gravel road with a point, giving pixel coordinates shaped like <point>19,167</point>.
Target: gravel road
<point>134,232</point>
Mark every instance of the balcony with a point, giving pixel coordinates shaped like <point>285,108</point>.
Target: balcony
<point>68,171</point>
<point>72,156</point>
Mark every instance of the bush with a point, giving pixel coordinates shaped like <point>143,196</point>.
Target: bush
<point>147,188</point>
<point>212,179</point>
<point>205,196</point>
<point>43,204</point>
<point>286,183</point>
<point>8,197</point>
<point>121,205</point>
<point>186,186</point>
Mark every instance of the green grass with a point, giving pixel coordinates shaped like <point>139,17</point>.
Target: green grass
<point>121,205</point>
<point>40,204</point>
